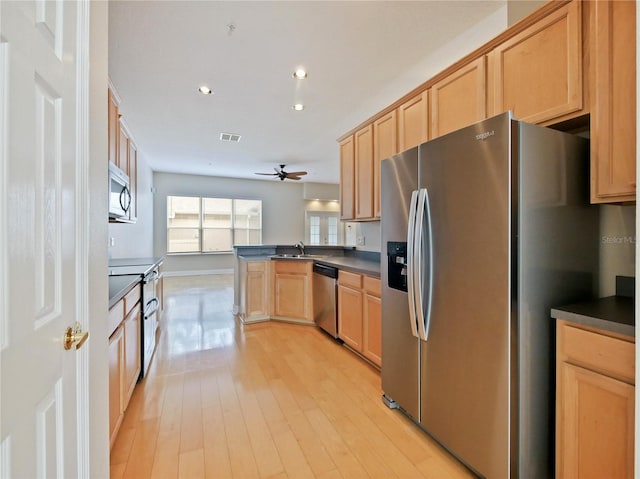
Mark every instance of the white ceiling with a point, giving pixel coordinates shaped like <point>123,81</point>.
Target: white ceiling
<point>361,56</point>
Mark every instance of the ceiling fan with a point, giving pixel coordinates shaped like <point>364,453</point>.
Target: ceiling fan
<point>283,175</point>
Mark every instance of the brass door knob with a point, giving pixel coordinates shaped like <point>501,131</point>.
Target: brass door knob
<point>75,336</point>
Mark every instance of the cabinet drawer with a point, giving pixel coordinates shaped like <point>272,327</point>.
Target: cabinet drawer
<point>350,279</point>
<point>371,285</point>
<point>116,315</point>
<point>256,266</point>
<point>296,267</point>
<point>600,352</point>
<point>131,298</point>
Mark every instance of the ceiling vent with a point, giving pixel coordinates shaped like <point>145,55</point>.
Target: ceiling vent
<point>229,137</point>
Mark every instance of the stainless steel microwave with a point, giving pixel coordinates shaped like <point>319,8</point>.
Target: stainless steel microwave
<point>119,193</point>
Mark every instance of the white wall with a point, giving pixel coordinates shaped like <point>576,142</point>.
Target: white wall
<point>518,9</point>
<point>283,213</point>
<point>135,240</point>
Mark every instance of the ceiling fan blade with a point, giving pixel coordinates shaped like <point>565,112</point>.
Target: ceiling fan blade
<point>289,177</point>
<point>297,173</point>
<point>268,174</point>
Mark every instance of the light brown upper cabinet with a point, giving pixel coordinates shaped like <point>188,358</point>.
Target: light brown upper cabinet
<point>113,131</point>
<point>460,99</point>
<point>123,147</point>
<point>538,72</point>
<point>364,172</point>
<point>385,144</point>
<point>347,179</point>
<point>133,180</point>
<point>613,109</point>
<point>413,121</point>
<point>122,151</point>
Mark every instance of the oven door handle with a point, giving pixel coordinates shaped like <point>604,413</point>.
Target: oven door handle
<point>151,308</point>
<point>151,277</point>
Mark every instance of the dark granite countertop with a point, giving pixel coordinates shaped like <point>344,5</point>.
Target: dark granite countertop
<point>126,266</point>
<point>612,313</point>
<point>356,265</point>
<point>348,263</point>
<point>152,261</point>
<point>119,286</point>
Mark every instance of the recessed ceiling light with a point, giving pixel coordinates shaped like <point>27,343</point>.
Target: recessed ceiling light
<point>298,107</point>
<point>205,90</point>
<point>299,74</point>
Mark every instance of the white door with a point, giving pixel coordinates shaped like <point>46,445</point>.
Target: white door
<point>43,144</point>
<point>324,227</point>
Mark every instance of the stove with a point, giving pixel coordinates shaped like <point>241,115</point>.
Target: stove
<point>149,271</point>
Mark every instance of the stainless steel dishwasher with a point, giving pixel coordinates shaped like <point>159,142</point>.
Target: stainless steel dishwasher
<point>325,298</point>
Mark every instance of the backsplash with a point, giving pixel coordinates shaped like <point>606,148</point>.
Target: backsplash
<point>617,245</point>
<point>363,235</point>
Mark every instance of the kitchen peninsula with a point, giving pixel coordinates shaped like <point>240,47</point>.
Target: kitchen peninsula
<point>277,282</point>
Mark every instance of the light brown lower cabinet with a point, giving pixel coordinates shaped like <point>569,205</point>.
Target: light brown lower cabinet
<point>116,368</point>
<point>255,285</point>
<point>595,393</point>
<point>124,358</point>
<point>359,316</point>
<point>132,356</point>
<point>372,321</point>
<point>292,291</point>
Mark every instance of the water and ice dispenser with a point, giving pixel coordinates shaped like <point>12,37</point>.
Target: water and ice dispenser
<point>397,264</point>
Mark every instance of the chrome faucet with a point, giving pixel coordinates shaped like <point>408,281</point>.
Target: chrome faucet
<point>300,246</point>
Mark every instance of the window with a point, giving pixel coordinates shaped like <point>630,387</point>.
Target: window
<point>205,225</point>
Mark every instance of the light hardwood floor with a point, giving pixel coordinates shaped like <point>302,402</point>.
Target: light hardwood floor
<point>268,400</point>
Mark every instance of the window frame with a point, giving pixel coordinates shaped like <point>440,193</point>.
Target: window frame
<point>201,228</point>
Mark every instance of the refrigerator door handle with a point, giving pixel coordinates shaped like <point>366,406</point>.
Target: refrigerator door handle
<point>424,267</point>
<point>411,264</point>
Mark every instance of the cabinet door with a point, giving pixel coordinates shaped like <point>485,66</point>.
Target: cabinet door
<point>116,380</point>
<point>413,122</point>
<point>291,296</point>
<point>385,144</point>
<point>372,343</point>
<point>364,172</point>
<point>132,357</point>
<point>538,73</point>
<point>460,99</point>
<point>113,128</point>
<point>613,112</point>
<point>595,435</point>
<point>350,316</point>
<point>123,148</point>
<point>133,180</point>
<point>257,291</point>
<point>347,179</point>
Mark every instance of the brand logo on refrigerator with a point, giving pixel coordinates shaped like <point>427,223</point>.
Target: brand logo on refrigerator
<point>485,135</point>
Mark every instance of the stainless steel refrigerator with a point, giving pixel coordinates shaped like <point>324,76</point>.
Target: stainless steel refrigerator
<point>484,229</point>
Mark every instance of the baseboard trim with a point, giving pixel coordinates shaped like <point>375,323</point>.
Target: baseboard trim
<point>197,272</point>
